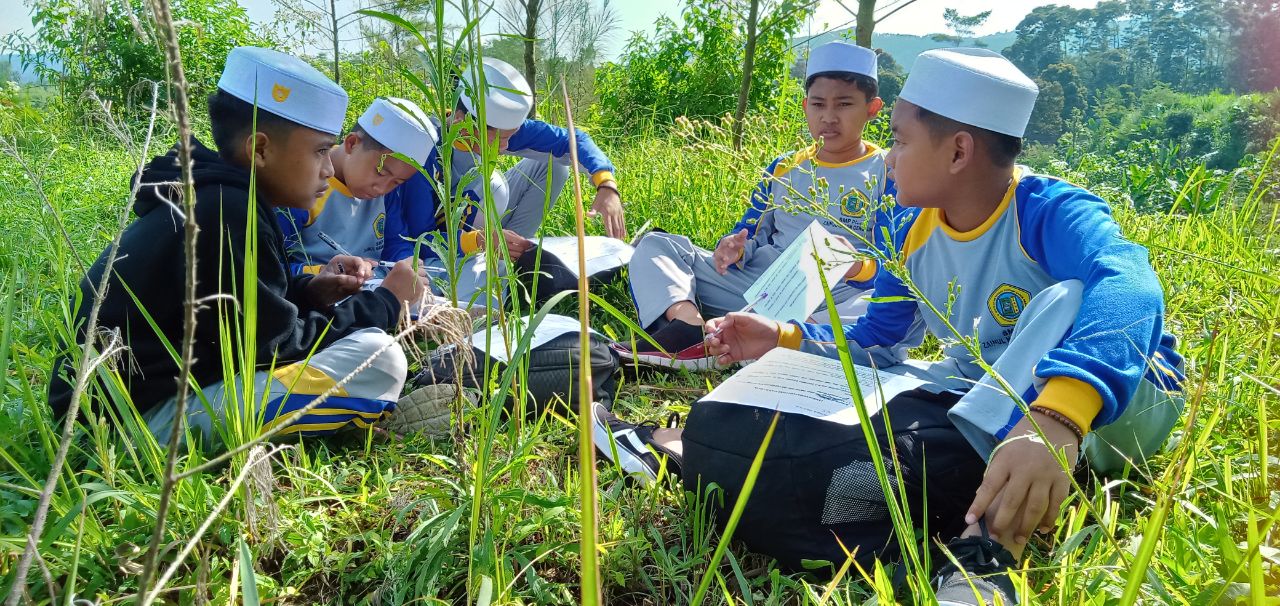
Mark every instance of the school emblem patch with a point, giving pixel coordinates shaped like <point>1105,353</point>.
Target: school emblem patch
<point>380,225</point>
<point>377,119</point>
<point>1006,304</point>
<point>280,93</point>
<point>855,204</point>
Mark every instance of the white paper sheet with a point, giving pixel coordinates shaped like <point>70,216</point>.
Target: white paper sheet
<point>603,253</point>
<point>795,382</point>
<point>550,327</point>
<point>791,287</point>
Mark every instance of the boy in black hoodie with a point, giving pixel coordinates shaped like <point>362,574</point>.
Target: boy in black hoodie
<point>305,341</point>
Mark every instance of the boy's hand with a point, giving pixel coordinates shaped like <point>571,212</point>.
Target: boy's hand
<point>608,206</point>
<point>1024,485</point>
<point>341,277</point>
<point>516,244</point>
<point>406,283</point>
<point>729,250</point>
<point>739,336</point>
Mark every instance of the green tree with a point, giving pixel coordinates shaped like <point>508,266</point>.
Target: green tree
<point>111,47</point>
<point>961,26</point>
<point>1046,125</point>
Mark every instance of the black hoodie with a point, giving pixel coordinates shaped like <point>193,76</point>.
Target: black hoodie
<point>150,267</point>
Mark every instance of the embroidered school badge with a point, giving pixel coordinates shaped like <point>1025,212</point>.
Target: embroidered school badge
<point>280,93</point>
<point>380,225</point>
<point>855,204</point>
<point>377,119</point>
<point>1006,304</point>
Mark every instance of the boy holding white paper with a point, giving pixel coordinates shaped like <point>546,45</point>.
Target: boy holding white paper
<point>675,283</point>
<point>1035,274</point>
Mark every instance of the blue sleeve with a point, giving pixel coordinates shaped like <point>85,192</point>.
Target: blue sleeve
<point>415,204</point>
<point>1120,325</point>
<point>890,325</point>
<point>760,197</point>
<point>538,136</point>
<point>289,219</point>
<point>887,197</point>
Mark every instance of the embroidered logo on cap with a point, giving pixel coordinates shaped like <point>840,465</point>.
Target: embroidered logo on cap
<point>1006,304</point>
<point>280,93</point>
<point>377,119</point>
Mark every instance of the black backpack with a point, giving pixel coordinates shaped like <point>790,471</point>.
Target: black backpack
<point>551,378</point>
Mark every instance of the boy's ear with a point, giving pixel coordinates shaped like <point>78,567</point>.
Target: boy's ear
<point>963,150</point>
<point>874,106</point>
<point>257,147</point>
<point>804,103</point>
<point>350,142</point>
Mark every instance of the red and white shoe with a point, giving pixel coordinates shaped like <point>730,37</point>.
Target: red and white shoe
<point>694,357</point>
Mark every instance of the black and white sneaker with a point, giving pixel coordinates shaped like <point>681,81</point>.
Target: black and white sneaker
<point>631,447</point>
<point>981,578</point>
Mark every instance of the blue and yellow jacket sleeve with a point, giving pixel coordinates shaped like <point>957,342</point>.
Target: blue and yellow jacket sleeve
<point>891,324</point>
<point>291,221</point>
<point>414,211</point>
<point>1118,335</point>
<point>537,138</point>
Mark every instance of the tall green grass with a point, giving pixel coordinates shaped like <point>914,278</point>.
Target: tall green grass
<point>491,513</point>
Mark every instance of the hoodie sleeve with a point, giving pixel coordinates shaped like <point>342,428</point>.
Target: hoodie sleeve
<point>537,139</point>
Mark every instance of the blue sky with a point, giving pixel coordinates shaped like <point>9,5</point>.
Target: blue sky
<point>921,17</point>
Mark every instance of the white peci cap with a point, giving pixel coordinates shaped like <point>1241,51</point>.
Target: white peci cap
<point>973,86</point>
<point>841,56</point>
<point>507,101</point>
<point>401,126</point>
<point>285,86</point>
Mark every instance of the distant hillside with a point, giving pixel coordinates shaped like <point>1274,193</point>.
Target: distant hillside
<point>11,68</point>
<point>905,47</point>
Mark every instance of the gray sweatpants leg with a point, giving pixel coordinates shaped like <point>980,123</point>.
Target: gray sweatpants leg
<point>1138,433</point>
<point>528,202</point>
<point>367,398</point>
<point>667,269</point>
<point>472,281</point>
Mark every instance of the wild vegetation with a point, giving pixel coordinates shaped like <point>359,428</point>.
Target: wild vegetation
<point>489,515</point>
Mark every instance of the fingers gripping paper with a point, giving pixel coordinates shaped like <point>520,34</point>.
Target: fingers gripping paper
<point>795,382</point>
<point>791,288</point>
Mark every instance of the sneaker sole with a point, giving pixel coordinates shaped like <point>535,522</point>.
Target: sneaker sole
<point>426,411</point>
<point>605,445</point>
<point>664,361</point>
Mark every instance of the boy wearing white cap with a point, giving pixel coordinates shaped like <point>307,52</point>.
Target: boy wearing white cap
<point>544,149</point>
<point>304,343</point>
<point>355,212</point>
<point>1034,273</point>
<point>839,181</point>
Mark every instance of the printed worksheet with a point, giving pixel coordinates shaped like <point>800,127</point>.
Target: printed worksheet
<point>791,288</point>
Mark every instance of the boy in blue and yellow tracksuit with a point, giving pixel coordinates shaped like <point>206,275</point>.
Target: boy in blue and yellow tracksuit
<point>838,181</point>
<point>1026,274</point>
<point>356,214</point>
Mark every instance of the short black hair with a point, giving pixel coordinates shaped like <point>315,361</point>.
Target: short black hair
<point>231,118</point>
<point>367,141</point>
<point>866,84</point>
<point>1001,148</point>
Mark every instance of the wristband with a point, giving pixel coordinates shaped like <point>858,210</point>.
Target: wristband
<point>1061,418</point>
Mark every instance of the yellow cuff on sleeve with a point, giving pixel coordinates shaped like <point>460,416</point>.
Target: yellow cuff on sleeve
<point>867,272</point>
<point>602,176</point>
<point>470,242</point>
<point>312,269</point>
<point>789,336</point>
<point>1074,398</point>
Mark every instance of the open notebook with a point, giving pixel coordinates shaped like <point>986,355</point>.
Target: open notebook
<point>800,383</point>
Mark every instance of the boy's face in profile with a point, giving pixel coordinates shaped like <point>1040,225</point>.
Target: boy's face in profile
<point>837,112</point>
<point>370,171</point>
<point>920,166</point>
<point>293,167</point>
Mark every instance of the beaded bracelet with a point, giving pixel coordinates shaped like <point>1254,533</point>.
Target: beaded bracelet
<point>1061,418</point>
